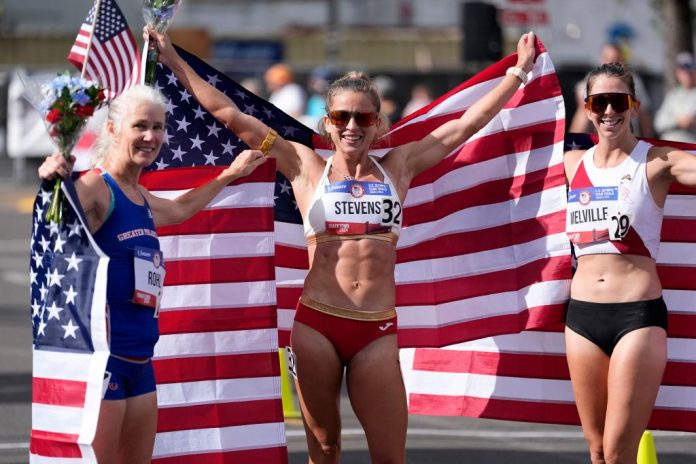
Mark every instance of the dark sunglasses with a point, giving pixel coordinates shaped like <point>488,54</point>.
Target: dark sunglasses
<point>362,118</point>
<point>620,102</point>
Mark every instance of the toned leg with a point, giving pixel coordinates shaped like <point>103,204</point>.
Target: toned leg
<point>589,367</point>
<point>139,428</point>
<point>319,376</point>
<point>109,427</point>
<point>635,373</point>
<point>377,393</point>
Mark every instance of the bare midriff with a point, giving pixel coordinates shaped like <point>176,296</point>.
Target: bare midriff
<point>609,278</point>
<point>352,274</point>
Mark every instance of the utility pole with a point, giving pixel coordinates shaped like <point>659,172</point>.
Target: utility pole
<point>333,36</point>
<point>677,32</point>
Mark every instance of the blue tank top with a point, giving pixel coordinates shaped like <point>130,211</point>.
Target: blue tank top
<point>133,329</point>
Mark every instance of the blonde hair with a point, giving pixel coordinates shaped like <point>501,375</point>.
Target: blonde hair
<point>118,109</point>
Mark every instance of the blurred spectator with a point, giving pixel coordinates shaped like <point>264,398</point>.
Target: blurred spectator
<point>317,85</point>
<point>283,91</point>
<point>611,53</point>
<point>387,94</point>
<point>676,118</point>
<point>421,95</point>
<point>253,85</point>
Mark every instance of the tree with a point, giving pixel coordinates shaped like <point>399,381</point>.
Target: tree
<point>677,30</point>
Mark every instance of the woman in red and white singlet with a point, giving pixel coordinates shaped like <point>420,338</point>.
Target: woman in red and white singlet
<point>616,340</point>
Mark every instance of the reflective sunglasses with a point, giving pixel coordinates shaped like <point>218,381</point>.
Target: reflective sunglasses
<point>620,102</point>
<point>362,118</point>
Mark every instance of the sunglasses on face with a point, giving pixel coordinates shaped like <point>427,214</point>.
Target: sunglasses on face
<point>362,118</point>
<point>620,102</point>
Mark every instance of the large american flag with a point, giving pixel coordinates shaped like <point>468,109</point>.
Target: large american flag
<point>105,49</point>
<point>483,250</point>
<point>217,361</point>
<point>525,376</point>
<point>68,314</point>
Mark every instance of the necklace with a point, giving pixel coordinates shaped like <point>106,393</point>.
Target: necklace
<point>349,177</point>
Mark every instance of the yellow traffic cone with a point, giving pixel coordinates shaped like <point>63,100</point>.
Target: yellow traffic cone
<point>646,449</point>
<point>287,394</point>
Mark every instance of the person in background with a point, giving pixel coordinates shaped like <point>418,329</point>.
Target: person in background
<point>616,320</point>
<point>420,96</point>
<point>318,85</point>
<point>351,205</point>
<point>283,91</point>
<point>122,215</point>
<point>612,53</point>
<point>676,117</point>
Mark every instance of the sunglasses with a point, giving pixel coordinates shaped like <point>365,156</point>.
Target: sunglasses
<point>362,118</point>
<point>620,102</point>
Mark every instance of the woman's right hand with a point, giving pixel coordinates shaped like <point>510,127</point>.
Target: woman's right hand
<point>56,165</point>
<point>167,52</point>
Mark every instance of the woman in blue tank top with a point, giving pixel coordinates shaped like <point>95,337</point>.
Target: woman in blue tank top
<point>123,216</point>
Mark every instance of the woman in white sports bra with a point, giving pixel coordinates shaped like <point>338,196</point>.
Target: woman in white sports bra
<point>352,210</point>
<point>616,340</point>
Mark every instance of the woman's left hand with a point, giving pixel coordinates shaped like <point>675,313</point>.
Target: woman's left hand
<point>245,163</point>
<point>526,51</point>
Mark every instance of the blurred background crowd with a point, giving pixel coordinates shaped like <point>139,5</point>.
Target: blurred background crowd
<point>288,50</point>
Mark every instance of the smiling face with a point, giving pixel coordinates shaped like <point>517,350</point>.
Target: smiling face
<point>350,138</point>
<point>138,137</point>
<point>610,122</point>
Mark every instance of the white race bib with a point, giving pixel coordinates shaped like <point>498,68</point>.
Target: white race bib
<point>149,277</point>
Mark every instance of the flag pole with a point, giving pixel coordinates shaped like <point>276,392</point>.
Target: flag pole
<point>97,5</point>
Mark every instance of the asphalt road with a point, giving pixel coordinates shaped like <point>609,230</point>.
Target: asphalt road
<point>430,439</point>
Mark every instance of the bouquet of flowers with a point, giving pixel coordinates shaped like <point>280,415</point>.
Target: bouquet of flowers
<point>65,104</point>
<point>158,14</point>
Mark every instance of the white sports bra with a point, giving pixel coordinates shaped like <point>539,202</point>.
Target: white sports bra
<point>353,209</point>
<point>611,210</point>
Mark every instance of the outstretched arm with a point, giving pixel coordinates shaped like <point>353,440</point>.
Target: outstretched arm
<point>166,212</point>
<point>430,150</point>
<point>251,130</point>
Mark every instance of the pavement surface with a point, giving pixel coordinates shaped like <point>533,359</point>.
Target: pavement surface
<point>430,439</point>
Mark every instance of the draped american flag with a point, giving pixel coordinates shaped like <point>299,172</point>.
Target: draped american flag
<point>217,363</point>
<point>105,49</point>
<point>525,376</point>
<point>68,300</point>
<point>483,249</point>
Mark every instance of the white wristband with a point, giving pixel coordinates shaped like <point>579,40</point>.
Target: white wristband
<point>518,72</point>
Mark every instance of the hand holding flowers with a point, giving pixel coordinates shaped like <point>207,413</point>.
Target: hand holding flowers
<point>65,103</point>
<point>158,15</point>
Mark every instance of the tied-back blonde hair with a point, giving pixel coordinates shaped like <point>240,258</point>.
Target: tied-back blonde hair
<point>119,108</point>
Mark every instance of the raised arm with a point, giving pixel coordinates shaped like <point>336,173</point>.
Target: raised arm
<point>421,155</point>
<point>252,131</point>
<point>166,212</point>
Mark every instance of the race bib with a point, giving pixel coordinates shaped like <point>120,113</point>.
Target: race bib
<point>360,207</point>
<point>590,213</point>
<point>149,277</point>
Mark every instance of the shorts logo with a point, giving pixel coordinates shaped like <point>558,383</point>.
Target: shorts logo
<point>113,386</point>
<point>357,190</point>
<point>385,326</point>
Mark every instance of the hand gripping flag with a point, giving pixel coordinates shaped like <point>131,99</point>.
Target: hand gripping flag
<point>68,313</point>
